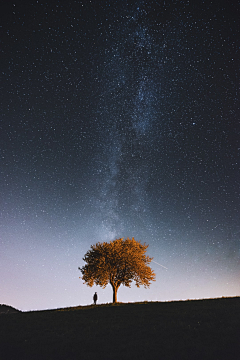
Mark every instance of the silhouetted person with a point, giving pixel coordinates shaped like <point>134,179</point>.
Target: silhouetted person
<point>95,298</point>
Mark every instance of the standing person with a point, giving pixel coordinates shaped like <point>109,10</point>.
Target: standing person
<point>95,298</point>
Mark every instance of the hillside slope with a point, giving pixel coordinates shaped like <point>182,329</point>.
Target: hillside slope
<point>6,309</point>
<point>200,329</point>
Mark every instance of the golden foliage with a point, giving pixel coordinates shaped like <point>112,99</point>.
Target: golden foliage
<point>117,262</point>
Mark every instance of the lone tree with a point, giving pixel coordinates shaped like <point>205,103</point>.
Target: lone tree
<point>117,262</point>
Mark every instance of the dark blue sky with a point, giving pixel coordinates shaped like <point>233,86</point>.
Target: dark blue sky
<point>119,119</point>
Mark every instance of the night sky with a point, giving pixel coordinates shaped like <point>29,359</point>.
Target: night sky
<point>119,119</point>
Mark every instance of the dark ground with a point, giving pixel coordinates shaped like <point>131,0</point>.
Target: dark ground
<point>197,329</point>
<point>6,309</point>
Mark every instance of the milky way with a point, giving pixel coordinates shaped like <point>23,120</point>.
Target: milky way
<point>119,119</point>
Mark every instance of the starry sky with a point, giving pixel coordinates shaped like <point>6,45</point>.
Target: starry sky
<point>119,119</point>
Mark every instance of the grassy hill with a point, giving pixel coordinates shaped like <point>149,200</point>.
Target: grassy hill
<point>197,329</point>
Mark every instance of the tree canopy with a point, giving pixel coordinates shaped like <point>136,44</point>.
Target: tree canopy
<point>118,262</point>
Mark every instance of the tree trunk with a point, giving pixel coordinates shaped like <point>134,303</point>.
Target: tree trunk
<point>115,289</point>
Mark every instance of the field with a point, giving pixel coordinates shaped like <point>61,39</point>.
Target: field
<point>196,329</point>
